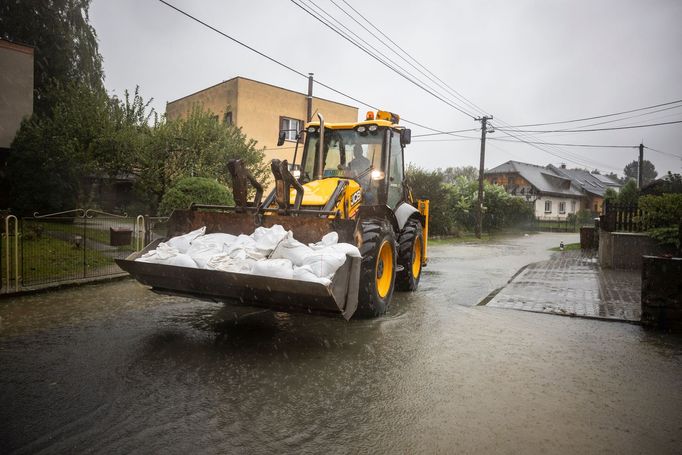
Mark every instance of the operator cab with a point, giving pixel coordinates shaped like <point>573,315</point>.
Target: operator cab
<point>369,152</point>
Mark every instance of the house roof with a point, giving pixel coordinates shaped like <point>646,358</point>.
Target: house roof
<point>589,182</point>
<point>544,180</point>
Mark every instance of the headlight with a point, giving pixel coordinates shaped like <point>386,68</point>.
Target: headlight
<point>312,129</point>
<point>296,173</point>
<point>377,175</point>
<point>373,128</point>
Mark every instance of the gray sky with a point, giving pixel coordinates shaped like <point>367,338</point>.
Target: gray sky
<point>521,61</point>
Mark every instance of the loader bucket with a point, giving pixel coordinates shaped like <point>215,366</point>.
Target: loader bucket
<point>340,298</point>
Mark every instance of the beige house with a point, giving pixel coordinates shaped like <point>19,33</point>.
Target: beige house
<point>261,110</point>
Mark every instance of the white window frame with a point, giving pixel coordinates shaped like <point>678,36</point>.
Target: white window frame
<point>291,127</point>
<point>548,206</point>
<point>562,207</point>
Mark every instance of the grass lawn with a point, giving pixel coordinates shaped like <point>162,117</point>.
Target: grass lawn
<point>49,259</point>
<point>97,234</point>
<point>568,247</point>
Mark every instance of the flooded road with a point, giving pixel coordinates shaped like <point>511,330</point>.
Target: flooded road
<point>114,368</point>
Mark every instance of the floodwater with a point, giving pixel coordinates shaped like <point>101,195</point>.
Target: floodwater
<point>114,368</point>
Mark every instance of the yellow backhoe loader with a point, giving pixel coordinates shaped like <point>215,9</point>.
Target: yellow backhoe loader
<point>350,180</point>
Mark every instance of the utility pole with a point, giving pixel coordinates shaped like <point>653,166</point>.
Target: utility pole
<point>479,212</point>
<point>309,112</point>
<point>640,173</point>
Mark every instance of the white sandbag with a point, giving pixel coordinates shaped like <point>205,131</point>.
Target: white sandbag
<point>269,238</point>
<point>245,247</point>
<point>225,263</point>
<point>292,249</point>
<point>324,263</point>
<point>305,273</point>
<point>182,260</point>
<point>215,238</point>
<point>203,248</point>
<point>331,238</point>
<point>182,242</point>
<point>161,255</point>
<point>277,268</point>
<point>345,249</point>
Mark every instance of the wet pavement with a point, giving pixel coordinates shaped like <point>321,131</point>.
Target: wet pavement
<point>571,283</point>
<point>114,368</point>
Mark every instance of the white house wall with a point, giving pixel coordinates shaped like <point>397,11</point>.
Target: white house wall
<point>572,205</point>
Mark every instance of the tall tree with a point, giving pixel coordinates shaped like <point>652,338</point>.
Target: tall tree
<point>64,41</point>
<point>649,171</point>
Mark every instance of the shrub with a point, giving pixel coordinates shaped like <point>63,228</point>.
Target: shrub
<point>663,215</point>
<point>200,190</point>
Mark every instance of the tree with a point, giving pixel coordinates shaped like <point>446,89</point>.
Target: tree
<point>65,44</point>
<point>196,146</point>
<point>194,189</point>
<point>451,174</point>
<point>50,153</point>
<point>629,193</point>
<point>649,171</point>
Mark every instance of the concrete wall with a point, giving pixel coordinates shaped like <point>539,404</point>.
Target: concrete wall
<point>662,292</point>
<point>624,250</point>
<point>16,88</point>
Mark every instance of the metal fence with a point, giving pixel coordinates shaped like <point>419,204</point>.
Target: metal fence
<point>69,246</point>
<point>554,224</point>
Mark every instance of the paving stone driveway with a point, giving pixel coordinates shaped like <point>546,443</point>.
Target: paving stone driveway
<point>572,283</point>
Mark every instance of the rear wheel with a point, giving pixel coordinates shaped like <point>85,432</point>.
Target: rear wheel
<point>410,250</point>
<point>377,272</point>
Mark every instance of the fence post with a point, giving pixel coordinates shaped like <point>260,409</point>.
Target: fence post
<point>139,232</point>
<point>16,252</point>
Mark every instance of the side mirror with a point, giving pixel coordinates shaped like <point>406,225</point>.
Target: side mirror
<point>405,136</point>
<point>281,138</point>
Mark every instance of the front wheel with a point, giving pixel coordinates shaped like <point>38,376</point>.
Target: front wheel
<point>410,256</point>
<point>378,268</point>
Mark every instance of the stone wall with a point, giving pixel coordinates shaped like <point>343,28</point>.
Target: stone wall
<point>662,292</point>
<point>624,250</point>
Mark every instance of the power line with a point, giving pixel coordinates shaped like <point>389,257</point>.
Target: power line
<point>452,133</point>
<point>662,152</point>
<point>428,74</point>
<point>284,65</point>
<point>593,129</point>
<point>598,116</point>
<point>374,56</point>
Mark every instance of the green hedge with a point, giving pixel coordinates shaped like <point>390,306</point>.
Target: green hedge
<point>200,190</point>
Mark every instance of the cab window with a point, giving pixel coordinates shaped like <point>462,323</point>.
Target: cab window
<point>395,171</point>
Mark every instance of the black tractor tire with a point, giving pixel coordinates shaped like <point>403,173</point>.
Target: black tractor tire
<point>410,249</point>
<point>377,270</point>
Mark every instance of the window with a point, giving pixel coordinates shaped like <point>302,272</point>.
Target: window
<point>290,126</point>
<point>548,206</point>
<point>572,206</point>
<point>562,207</point>
<point>395,171</point>
<point>227,118</point>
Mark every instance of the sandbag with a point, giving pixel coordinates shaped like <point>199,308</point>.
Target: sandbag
<point>182,242</point>
<point>269,238</point>
<point>161,255</point>
<point>277,268</point>
<point>305,273</point>
<point>204,247</point>
<point>325,262</point>
<point>182,260</point>
<point>292,249</point>
<point>225,263</point>
<point>332,238</point>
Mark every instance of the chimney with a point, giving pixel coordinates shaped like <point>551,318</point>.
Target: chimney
<point>563,166</point>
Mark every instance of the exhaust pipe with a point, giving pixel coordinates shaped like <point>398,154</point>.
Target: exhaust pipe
<point>320,150</point>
